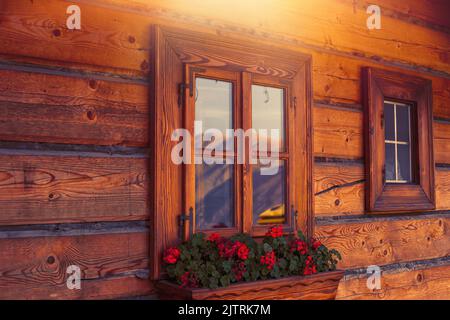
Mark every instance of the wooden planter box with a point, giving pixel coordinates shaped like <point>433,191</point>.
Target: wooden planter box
<point>321,286</point>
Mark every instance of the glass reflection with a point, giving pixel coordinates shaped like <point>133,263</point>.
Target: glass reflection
<point>214,104</point>
<point>268,113</point>
<point>269,196</point>
<point>214,196</point>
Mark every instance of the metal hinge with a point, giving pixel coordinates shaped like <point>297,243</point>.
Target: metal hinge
<point>181,93</point>
<point>182,223</point>
<point>294,217</point>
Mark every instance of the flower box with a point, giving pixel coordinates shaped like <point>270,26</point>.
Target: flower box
<point>319,286</point>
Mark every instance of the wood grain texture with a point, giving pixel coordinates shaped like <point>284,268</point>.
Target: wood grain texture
<point>56,189</point>
<point>339,189</point>
<point>428,284</point>
<point>35,268</point>
<point>341,27</point>
<point>442,188</point>
<point>337,133</point>
<point>51,108</point>
<point>109,39</point>
<point>441,141</point>
<point>390,241</point>
<point>38,30</point>
<point>321,286</point>
<point>125,286</point>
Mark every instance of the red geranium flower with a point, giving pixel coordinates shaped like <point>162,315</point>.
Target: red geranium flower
<point>275,232</point>
<point>189,280</point>
<point>242,250</point>
<point>310,266</point>
<point>214,237</point>
<point>268,260</point>
<point>171,255</point>
<point>300,246</point>
<point>316,244</point>
<point>226,249</point>
<point>239,271</point>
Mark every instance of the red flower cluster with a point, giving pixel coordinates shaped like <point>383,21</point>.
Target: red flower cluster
<point>214,237</point>
<point>275,232</point>
<point>171,255</point>
<point>227,249</point>
<point>268,260</point>
<point>310,267</point>
<point>300,246</point>
<point>239,270</point>
<point>242,250</point>
<point>316,244</point>
<point>189,280</point>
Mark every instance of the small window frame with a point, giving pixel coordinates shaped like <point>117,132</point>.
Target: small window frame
<point>381,197</point>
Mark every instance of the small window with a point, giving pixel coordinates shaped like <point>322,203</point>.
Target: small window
<point>398,125</point>
<point>398,157</point>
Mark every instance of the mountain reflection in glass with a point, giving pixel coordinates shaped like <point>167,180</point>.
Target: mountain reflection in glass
<point>214,104</point>
<point>214,196</point>
<point>268,113</point>
<point>269,194</point>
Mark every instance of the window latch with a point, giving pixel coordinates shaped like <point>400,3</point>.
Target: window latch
<point>182,223</point>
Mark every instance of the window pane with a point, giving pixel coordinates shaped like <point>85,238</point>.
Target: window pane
<point>268,113</point>
<point>390,161</point>
<point>389,121</point>
<point>269,194</point>
<point>403,123</point>
<point>214,104</point>
<point>404,163</point>
<point>214,197</point>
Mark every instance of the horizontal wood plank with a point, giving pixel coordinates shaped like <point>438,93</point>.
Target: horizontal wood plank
<point>441,135</point>
<point>35,268</point>
<point>339,189</point>
<point>51,108</point>
<point>442,188</point>
<point>387,241</point>
<point>107,288</point>
<point>57,189</point>
<point>428,284</point>
<point>337,133</point>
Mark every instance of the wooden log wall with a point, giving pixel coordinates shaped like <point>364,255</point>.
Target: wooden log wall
<point>74,142</point>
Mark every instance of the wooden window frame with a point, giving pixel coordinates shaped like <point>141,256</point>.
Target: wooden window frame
<point>379,86</point>
<point>176,56</point>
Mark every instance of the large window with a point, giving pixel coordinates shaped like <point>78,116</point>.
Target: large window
<point>399,139</point>
<point>212,85</point>
<point>243,187</point>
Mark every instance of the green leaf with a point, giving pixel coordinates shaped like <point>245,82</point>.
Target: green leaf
<point>267,248</point>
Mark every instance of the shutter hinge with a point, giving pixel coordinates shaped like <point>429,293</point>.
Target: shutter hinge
<point>182,223</point>
<point>294,217</point>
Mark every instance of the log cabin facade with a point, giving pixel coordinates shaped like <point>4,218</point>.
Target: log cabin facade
<point>86,118</point>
